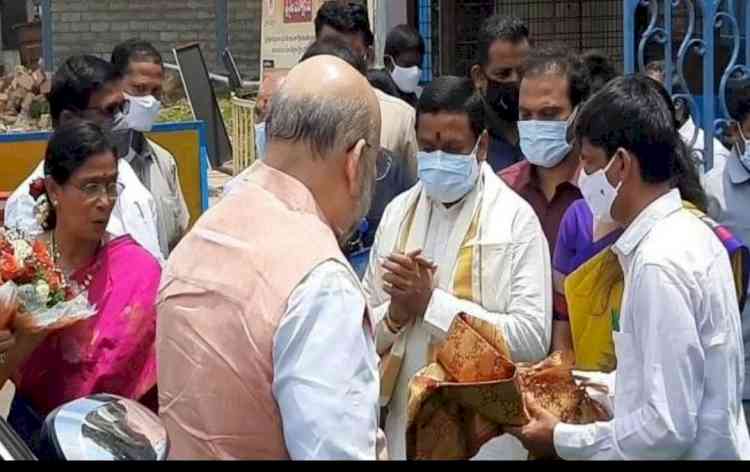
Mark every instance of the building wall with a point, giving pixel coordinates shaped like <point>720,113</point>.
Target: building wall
<point>243,26</point>
<point>96,26</point>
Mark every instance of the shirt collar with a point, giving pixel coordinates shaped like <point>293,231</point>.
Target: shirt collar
<point>646,220</point>
<point>738,174</point>
<point>139,147</point>
<point>687,130</point>
<point>528,177</point>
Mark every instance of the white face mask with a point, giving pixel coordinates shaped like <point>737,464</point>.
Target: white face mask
<point>599,193</point>
<point>142,112</point>
<point>406,78</point>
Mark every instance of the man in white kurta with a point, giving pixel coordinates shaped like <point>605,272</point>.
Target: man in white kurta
<point>507,276</point>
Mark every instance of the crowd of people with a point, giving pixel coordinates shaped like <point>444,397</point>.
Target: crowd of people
<point>545,194</point>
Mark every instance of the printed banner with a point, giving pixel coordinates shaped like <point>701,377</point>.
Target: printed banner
<point>287,29</point>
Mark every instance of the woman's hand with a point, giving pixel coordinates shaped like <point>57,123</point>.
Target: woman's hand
<point>7,341</point>
<point>15,348</point>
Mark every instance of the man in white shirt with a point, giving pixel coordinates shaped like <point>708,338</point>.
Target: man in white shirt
<point>678,341</point>
<point>272,356</point>
<point>268,88</point>
<point>140,65</point>
<point>692,135</point>
<point>460,241</point>
<point>91,88</point>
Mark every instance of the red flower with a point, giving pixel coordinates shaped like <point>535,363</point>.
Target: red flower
<point>37,188</point>
<point>9,268</point>
<point>41,253</point>
<point>5,247</point>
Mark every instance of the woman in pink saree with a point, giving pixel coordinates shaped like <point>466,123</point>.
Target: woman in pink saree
<point>112,352</point>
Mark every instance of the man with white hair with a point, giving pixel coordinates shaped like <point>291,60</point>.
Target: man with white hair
<point>265,345</point>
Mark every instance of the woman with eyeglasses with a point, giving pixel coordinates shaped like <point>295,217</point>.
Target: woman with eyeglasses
<point>112,352</point>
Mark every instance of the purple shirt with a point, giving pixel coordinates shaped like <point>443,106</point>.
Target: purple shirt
<point>575,240</point>
<point>575,245</point>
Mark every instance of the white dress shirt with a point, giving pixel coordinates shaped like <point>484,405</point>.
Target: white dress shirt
<point>679,379</point>
<point>134,212</point>
<point>695,137</point>
<point>326,380</point>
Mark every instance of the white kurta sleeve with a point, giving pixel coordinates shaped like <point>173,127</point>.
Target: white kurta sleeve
<point>664,427</point>
<point>527,322</point>
<point>326,378</point>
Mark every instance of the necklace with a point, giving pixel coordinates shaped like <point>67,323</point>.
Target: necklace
<point>87,278</point>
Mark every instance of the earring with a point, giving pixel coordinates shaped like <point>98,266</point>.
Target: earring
<point>54,203</point>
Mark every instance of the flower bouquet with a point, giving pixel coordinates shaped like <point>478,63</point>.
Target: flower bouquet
<point>33,293</point>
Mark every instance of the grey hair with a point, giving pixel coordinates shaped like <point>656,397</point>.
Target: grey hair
<point>326,125</point>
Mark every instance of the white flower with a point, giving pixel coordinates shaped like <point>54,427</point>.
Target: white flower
<point>42,291</point>
<point>42,210</point>
<point>21,249</point>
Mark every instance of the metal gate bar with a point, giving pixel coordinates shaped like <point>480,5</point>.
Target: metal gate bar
<point>714,31</point>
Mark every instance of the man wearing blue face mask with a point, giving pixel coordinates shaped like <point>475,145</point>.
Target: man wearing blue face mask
<point>555,82</point>
<point>458,242</point>
<point>728,189</point>
<point>141,67</point>
<point>269,86</point>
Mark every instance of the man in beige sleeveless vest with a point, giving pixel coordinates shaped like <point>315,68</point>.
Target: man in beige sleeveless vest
<point>265,346</point>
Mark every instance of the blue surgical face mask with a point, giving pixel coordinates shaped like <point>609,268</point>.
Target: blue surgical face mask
<point>448,177</point>
<point>260,141</point>
<point>544,143</point>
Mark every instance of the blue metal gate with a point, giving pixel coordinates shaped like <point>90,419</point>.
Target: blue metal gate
<point>703,44</point>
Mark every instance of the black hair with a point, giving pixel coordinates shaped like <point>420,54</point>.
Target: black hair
<point>381,80</point>
<point>68,149</point>
<point>332,46</point>
<point>601,69</point>
<point>556,59</point>
<point>76,81</point>
<point>738,99</point>
<point>403,38</point>
<point>134,50</point>
<point>345,17</point>
<point>499,28</point>
<point>635,113</point>
<point>451,94</point>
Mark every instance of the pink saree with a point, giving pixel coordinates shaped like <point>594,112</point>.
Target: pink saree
<point>112,352</point>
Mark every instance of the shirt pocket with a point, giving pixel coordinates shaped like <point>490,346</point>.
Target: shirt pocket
<point>496,263</point>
